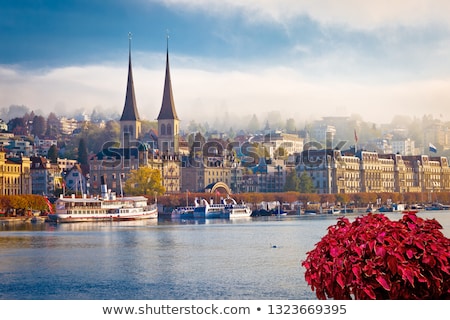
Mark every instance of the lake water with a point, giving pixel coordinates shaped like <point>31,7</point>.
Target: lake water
<point>243,259</point>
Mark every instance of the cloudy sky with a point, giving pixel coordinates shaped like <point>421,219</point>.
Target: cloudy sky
<point>229,58</point>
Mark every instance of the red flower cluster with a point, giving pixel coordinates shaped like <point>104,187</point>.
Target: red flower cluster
<point>376,258</point>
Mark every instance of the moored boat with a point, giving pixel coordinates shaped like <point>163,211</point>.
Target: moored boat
<point>108,207</point>
<point>237,210</point>
<point>97,209</point>
<point>227,209</point>
<point>186,212</point>
<point>210,211</point>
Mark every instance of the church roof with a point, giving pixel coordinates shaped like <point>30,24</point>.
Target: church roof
<point>130,112</point>
<point>168,106</point>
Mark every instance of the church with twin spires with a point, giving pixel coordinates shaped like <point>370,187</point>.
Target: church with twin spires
<point>159,152</point>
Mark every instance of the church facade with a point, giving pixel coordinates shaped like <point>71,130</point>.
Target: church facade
<point>115,163</point>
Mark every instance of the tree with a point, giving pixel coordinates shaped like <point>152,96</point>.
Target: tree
<point>292,181</point>
<point>144,181</point>
<point>82,152</point>
<point>39,126</point>
<point>52,125</point>
<point>18,126</point>
<point>52,154</point>
<point>343,198</point>
<point>306,184</point>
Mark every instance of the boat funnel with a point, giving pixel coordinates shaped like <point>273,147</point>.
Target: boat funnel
<point>104,187</point>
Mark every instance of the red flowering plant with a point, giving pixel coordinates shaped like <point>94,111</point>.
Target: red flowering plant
<point>374,257</point>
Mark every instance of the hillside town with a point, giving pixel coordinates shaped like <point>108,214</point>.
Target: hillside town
<point>56,155</point>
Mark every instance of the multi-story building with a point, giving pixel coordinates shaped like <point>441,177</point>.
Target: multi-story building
<point>202,173</point>
<point>334,172</point>
<point>3,126</point>
<point>438,133</point>
<point>45,176</point>
<point>319,164</point>
<point>66,164</point>
<point>276,140</point>
<point>345,173</point>
<point>76,180</point>
<point>405,147</point>
<point>20,146</point>
<point>15,177</point>
<point>272,179</point>
<point>42,146</point>
<point>67,126</point>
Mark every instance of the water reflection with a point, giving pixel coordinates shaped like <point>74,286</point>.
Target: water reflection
<point>250,258</point>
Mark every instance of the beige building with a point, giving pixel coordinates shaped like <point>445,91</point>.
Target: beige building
<point>205,174</point>
<point>15,177</point>
<point>333,172</point>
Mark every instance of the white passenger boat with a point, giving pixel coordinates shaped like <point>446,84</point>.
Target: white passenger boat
<point>237,210</point>
<point>108,207</point>
<point>227,209</point>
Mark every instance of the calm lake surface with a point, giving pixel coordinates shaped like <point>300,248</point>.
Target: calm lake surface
<point>216,259</point>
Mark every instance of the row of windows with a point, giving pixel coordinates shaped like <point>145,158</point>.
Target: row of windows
<point>11,180</point>
<point>216,173</point>
<point>10,168</point>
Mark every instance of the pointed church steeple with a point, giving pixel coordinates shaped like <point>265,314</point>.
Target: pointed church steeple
<point>168,106</point>
<point>129,121</point>
<point>130,112</point>
<point>168,128</point>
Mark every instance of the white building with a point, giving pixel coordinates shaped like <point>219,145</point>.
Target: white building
<point>405,147</point>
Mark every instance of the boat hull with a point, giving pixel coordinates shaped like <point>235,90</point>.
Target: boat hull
<point>204,212</point>
<point>68,218</point>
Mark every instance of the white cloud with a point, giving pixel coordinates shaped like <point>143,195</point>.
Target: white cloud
<point>205,95</point>
<point>352,13</point>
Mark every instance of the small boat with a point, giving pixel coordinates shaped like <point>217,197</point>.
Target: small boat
<point>186,212</point>
<point>436,206</point>
<point>236,210</point>
<point>227,209</point>
<point>410,211</point>
<point>334,211</point>
<point>311,212</point>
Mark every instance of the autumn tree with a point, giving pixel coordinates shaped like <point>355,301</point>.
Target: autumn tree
<point>144,181</point>
<point>343,198</point>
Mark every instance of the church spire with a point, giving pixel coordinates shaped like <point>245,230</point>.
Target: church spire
<point>130,112</point>
<point>168,106</point>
